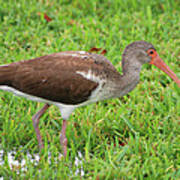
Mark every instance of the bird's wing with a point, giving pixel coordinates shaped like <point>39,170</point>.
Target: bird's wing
<point>55,77</point>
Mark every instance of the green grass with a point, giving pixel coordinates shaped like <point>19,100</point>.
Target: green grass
<point>147,120</point>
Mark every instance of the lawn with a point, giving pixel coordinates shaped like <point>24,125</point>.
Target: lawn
<point>133,137</point>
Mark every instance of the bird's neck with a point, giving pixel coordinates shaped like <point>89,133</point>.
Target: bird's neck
<point>128,81</point>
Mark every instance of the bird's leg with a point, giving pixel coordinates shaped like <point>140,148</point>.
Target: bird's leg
<point>35,119</point>
<point>63,139</point>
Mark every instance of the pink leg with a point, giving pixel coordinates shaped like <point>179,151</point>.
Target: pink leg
<point>63,139</point>
<point>35,119</point>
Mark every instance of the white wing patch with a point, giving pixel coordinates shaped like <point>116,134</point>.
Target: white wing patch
<point>97,94</point>
<point>80,54</point>
<point>89,75</point>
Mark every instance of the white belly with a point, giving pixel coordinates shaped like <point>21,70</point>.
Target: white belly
<point>65,109</point>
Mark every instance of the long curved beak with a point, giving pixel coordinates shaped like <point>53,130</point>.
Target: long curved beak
<point>158,62</point>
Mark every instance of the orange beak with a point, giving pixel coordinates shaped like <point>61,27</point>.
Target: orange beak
<point>158,62</point>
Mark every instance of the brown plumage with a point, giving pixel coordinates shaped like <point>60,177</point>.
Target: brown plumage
<point>53,77</point>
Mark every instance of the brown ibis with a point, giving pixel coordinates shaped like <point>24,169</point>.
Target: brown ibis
<point>77,78</point>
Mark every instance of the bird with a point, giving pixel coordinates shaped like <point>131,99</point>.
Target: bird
<point>73,79</point>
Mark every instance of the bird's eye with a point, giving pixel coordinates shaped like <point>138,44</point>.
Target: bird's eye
<point>152,52</point>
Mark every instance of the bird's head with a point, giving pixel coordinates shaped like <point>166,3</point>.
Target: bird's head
<point>141,52</point>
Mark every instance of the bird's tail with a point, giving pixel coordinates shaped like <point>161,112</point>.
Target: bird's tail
<point>6,74</point>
